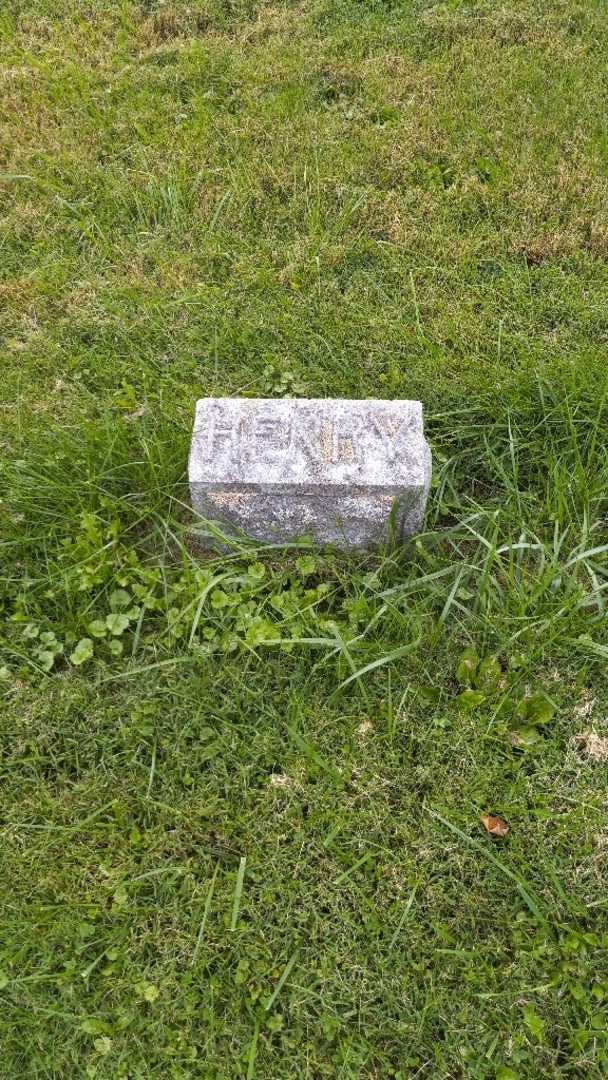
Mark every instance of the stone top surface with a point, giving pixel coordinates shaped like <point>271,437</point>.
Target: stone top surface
<point>308,444</point>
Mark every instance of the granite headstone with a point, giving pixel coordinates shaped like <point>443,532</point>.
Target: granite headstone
<point>345,473</point>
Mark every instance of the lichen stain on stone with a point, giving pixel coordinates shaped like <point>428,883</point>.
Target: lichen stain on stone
<point>347,452</point>
<point>231,500</point>
<point>327,441</point>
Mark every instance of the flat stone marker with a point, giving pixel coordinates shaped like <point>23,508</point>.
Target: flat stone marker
<point>331,469</point>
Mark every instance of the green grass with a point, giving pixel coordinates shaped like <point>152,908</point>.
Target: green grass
<point>240,797</point>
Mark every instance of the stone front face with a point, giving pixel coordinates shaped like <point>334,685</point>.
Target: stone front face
<point>334,470</point>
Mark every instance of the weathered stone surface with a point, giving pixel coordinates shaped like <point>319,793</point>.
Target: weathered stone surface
<point>335,470</point>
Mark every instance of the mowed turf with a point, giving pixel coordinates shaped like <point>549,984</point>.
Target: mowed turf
<point>241,797</point>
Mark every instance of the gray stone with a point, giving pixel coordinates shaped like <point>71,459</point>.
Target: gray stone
<point>347,473</point>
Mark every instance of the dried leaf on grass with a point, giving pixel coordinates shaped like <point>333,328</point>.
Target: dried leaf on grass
<point>593,746</point>
<point>494,825</point>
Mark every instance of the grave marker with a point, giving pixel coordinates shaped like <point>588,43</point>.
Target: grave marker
<point>332,469</point>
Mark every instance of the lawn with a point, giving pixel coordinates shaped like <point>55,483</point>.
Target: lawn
<point>241,796</point>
